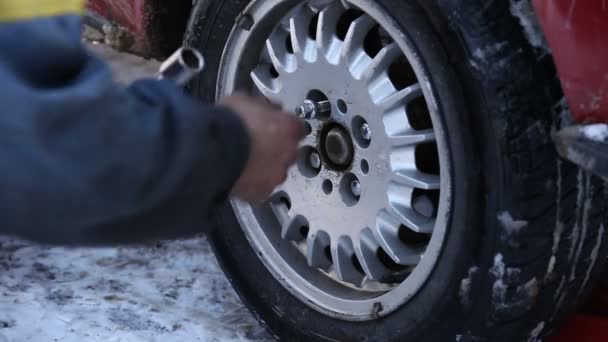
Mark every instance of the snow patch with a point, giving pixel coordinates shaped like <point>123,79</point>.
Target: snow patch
<point>171,291</point>
<point>580,196</point>
<point>499,289</point>
<point>559,225</point>
<point>498,270</point>
<point>564,115</point>
<point>530,288</point>
<point>488,50</point>
<point>584,223</point>
<point>560,302</point>
<point>596,132</point>
<point>557,235</point>
<point>512,226</point>
<point>550,267</point>
<point>524,296</point>
<point>523,10</point>
<point>593,256</point>
<point>465,287</point>
<point>560,287</point>
<point>535,333</point>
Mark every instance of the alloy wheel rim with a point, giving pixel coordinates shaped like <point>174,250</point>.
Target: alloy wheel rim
<point>347,235</point>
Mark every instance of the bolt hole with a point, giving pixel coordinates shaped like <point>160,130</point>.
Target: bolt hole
<point>305,162</point>
<point>285,201</point>
<point>307,128</point>
<point>342,107</point>
<point>346,189</point>
<point>327,186</point>
<point>358,125</point>
<point>388,262</point>
<point>364,167</point>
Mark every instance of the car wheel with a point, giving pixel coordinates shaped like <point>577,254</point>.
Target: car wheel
<point>428,202</point>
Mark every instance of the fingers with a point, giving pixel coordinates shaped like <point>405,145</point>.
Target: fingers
<point>296,127</point>
<point>291,158</point>
<point>275,136</point>
<point>242,99</point>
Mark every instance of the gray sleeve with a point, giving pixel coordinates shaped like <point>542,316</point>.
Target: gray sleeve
<point>87,161</point>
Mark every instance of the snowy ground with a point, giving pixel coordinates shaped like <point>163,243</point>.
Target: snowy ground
<point>172,291</point>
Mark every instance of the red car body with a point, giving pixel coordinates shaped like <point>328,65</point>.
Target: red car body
<point>576,32</point>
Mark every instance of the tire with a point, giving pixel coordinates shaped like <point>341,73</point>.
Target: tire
<point>526,236</point>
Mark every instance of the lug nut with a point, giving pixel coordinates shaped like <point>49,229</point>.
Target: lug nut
<point>307,110</point>
<point>310,109</point>
<point>366,132</point>
<point>355,187</point>
<point>315,160</point>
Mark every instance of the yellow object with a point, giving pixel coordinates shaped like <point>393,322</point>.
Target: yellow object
<point>14,10</point>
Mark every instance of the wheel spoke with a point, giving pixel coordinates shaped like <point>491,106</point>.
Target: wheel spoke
<point>366,250</point>
<point>342,254</point>
<point>381,89</point>
<point>303,46</point>
<point>317,243</point>
<point>402,97</point>
<point>400,200</point>
<point>281,212</point>
<point>381,62</point>
<point>415,221</point>
<point>413,138</point>
<point>291,230</point>
<point>290,226</point>
<point>387,234</point>
<point>268,86</point>
<point>283,61</point>
<point>326,41</point>
<point>396,123</point>
<point>353,42</point>
<point>417,179</point>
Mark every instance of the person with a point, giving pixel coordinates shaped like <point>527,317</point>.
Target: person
<point>87,161</point>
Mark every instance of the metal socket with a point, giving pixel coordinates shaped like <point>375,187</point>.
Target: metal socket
<point>182,66</point>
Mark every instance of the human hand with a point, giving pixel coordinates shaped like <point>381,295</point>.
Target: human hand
<point>274,135</point>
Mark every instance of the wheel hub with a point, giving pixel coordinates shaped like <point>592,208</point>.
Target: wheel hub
<point>337,147</point>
